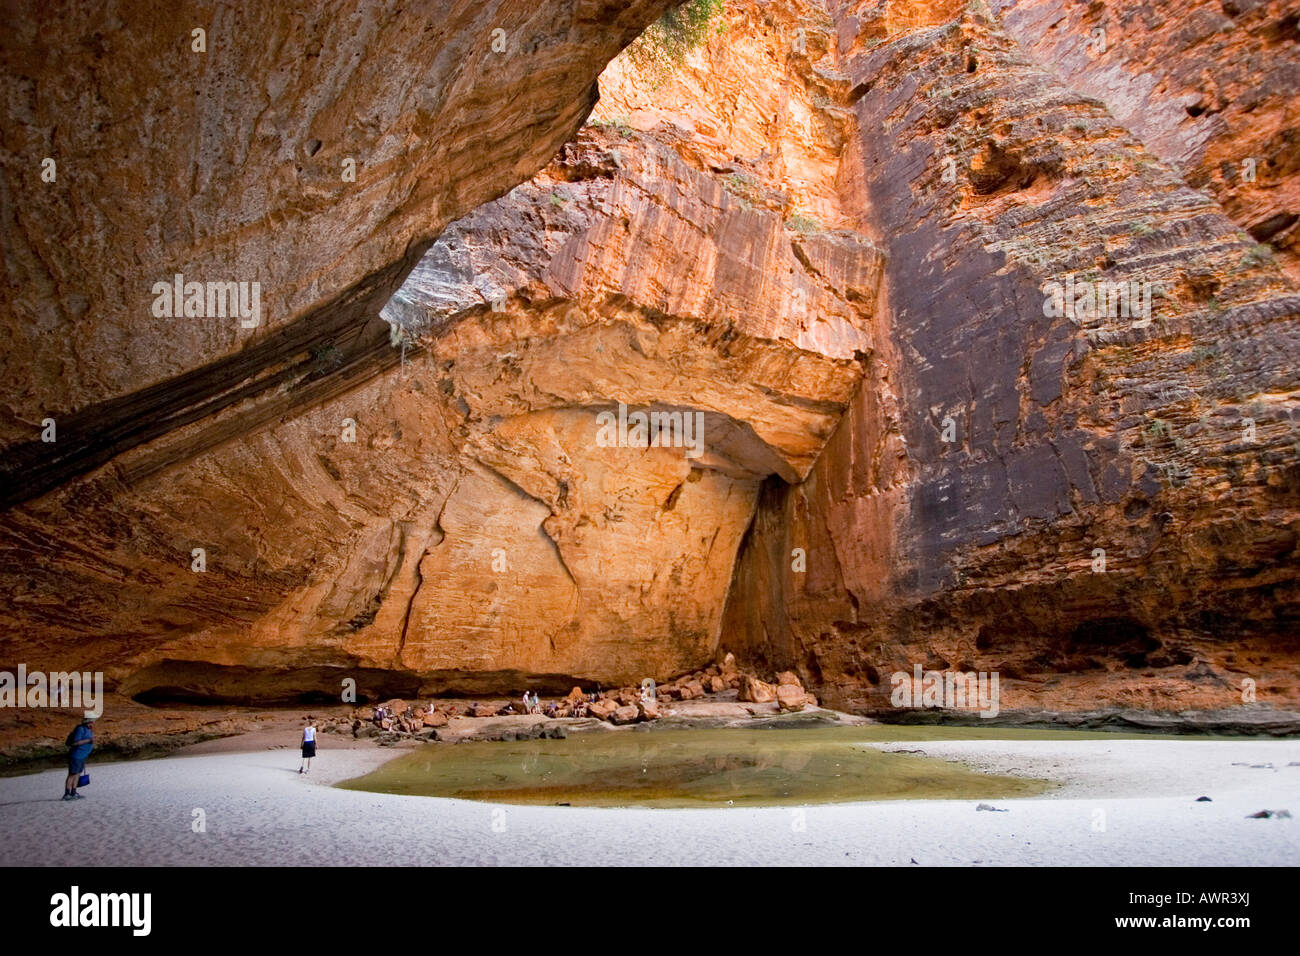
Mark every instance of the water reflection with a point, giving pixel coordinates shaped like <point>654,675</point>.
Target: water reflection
<point>686,768</point>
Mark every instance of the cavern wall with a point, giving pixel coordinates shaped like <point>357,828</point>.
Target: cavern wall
<point>316,152</point>
<point>428,504</point>
<point>1101,508</point>
<point>831,235</point>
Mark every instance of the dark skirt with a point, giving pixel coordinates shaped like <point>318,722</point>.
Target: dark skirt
<point>309,749</point>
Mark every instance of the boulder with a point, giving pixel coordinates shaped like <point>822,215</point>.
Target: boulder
<point>788,677</point>
<point>435,719</point>
<point>602,709</point>
<point>716,684</point>
<point>696,689</point>
<point>396,706</point>
<point>628,714</point>
<point>648,710</point>
<point>790,697</point>
<point>756,691</point>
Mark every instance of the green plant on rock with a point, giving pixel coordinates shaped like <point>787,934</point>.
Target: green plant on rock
<point>1258,254</point>
<point>327,357</point>
<point>617,124</point>
<point>664,46</point>
<point>745,190</point>
<point>804,224</point>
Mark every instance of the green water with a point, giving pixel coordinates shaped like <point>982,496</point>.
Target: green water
<point>704,768</point>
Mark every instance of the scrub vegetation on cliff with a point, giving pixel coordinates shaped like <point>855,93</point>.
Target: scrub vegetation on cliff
<point>667,42</point>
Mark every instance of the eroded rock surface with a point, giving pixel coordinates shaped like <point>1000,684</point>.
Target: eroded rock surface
<point>1207,86</point>
<point>478,532</point>
<point>316,151</point>
<point>827,240</point>
<point>1095,507</point>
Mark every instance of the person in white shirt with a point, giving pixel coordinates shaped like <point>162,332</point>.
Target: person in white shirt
<point>308,745</point>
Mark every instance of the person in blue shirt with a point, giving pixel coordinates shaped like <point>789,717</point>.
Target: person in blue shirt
<point>82,742</point>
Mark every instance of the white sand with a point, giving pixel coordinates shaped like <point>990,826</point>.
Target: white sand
<point>260,811</point>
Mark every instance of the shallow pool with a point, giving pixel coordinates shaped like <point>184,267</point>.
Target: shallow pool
<point>695,768</point>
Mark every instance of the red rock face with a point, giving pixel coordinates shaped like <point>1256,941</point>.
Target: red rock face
<point>1208,87</point>
<point>470,528</point>
<point>961,515</point>
<point>315,151</point>
<point>226,156</point>
<point>844,237</point>
<point>624,275</point>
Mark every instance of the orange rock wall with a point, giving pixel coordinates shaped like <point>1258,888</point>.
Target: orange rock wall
<point>957,517</point>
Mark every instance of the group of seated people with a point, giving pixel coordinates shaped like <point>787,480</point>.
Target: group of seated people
<point>531,703</point>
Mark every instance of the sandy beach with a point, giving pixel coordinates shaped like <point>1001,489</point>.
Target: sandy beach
<point>1122,802</point>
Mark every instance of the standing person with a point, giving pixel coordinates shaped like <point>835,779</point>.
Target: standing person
<point>82,742</point>
<point>308,745</point>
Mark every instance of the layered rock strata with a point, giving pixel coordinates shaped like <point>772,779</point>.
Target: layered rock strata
<point>433,502</point>
<point>1208,87</point>
<point>1093,505</point>
<point>315,152</point>
<point>857,247</point>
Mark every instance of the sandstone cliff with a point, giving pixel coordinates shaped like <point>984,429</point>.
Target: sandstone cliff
<point>1103,509</point>
<point>829,238</point>
<point>316,151</point>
